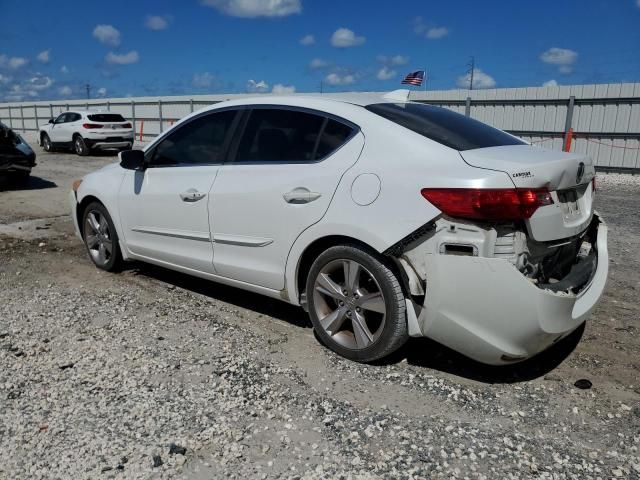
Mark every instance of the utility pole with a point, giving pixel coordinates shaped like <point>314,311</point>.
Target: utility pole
<point>88,87</point>
<point>321,87</point>
<point>471,71</point>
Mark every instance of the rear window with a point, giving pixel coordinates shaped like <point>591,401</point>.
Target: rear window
<point>444,126</point>
<point>106,117</point>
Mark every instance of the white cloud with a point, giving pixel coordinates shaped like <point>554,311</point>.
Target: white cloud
<point>107,34</point>
<point>337,79</point>
<point>122,59</point>
<point>420,27</point>
<point>308,40</point>
<point>203,80</point>
<point>393,60</point>
<point>565,69</point>
<point>64,69</point>
<point>65,91</point>
<point>559,56</point>
<point>44,56</point>
<point>4,79</point>
<point>385,73</point>
<point>13,63</point>
<point>318,63</point>
<point>39,82</point>
<point>343,37</point>
<point>550,83</point>
<point>102,92</point>
<point>255,8</point>
<point>480,80</point>
<point>156,22</point>
<point>437,32</point>
<point>257,87</point>
<point>283,89</point>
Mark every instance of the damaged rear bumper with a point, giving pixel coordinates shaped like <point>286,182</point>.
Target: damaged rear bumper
<point>486,309</point>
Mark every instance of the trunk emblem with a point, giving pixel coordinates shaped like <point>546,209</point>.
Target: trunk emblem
<point>580,172</point>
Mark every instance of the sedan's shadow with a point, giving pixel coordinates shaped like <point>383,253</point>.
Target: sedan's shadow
<point>427,353</point>
<point>32,183</point>
<point>235,296</point>
<point>421,352</point>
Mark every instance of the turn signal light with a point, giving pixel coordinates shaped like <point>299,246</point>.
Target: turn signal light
<point>92,125</point>
<point>488,203</point>
<point>126,125</point>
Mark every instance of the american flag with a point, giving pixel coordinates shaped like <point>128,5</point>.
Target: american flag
<point>414,78</point>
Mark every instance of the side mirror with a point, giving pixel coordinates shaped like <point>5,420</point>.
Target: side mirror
<point>51,120</point>
<point>132,160</point>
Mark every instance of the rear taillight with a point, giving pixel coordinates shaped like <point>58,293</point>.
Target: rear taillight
<point>489,203</point>
<point>92,125</point>
<point>126,125</point>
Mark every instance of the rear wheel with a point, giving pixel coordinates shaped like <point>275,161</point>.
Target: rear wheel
<point>356,304</point>
<point>100,237</point>
<point>46,143</point>
<point>80,146</point>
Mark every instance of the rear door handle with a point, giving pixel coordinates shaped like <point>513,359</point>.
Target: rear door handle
<point>192,195</point>
<point>300,195</point>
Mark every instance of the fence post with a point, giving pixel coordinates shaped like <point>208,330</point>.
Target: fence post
<point>191,104</point>
<point>160,113</point>
<point>133,117</point>
<point>567,124</point>
<point>35,112</point>
<point>22,117</point>
<point>67,106</point>
<point>50,110</point>
<point>108,106</point>
<point>467,107</point>
<point>10,118</point>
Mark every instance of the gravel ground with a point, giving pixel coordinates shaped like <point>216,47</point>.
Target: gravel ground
<point>153,374</point>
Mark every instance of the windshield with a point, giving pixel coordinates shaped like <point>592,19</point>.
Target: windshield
<point>444,126</point>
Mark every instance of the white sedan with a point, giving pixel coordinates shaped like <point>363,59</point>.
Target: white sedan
<point>382,218</point>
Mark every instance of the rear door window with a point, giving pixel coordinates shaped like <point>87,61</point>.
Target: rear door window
<point>444,126</point>
<point>280,135</point>
<point>200,142</point>
<point>334,135</point>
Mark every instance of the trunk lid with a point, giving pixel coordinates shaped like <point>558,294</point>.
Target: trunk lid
<point>568,176</point>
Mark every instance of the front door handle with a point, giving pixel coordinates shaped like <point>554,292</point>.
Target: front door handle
<point>192,195</point>
<point>301,195</point>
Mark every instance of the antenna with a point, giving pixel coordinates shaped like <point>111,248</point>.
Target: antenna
<point>471,71</point>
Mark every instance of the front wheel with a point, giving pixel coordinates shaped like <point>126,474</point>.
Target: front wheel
<point>80,146</point>
<point>356,304</point>
<point>100,237</point>
<point>46,143</point>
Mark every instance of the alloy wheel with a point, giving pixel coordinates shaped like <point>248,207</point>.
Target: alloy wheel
<point>98,237</point>
<point>80,146</point>
<point>349,304</point>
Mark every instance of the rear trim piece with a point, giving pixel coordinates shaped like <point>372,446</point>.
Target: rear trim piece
<point>242,241</point>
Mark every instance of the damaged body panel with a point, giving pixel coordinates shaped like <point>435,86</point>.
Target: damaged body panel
<point>496,295</point>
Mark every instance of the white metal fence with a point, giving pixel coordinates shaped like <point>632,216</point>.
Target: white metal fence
<point>604,119</point>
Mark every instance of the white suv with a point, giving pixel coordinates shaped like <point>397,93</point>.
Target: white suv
<point>84,130</point>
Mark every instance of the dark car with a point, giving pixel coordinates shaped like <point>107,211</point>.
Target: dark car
<point>16,156</point>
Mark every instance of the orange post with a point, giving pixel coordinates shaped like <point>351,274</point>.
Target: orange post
<point>567,140</point>
<point>141,129</point>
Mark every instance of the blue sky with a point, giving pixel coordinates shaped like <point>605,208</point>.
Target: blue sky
<point>51,49</point>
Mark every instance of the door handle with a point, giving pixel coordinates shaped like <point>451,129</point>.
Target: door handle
<point>300,195</point>
<point>192,195</point>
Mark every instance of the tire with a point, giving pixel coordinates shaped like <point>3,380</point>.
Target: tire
<point>348,287</point>
<point>100,238</point>
<point>20,178</point>
<point>80,146</point>
<point>46,143</point>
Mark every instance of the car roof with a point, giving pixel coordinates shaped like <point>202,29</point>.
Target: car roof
<point>88,112</point>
